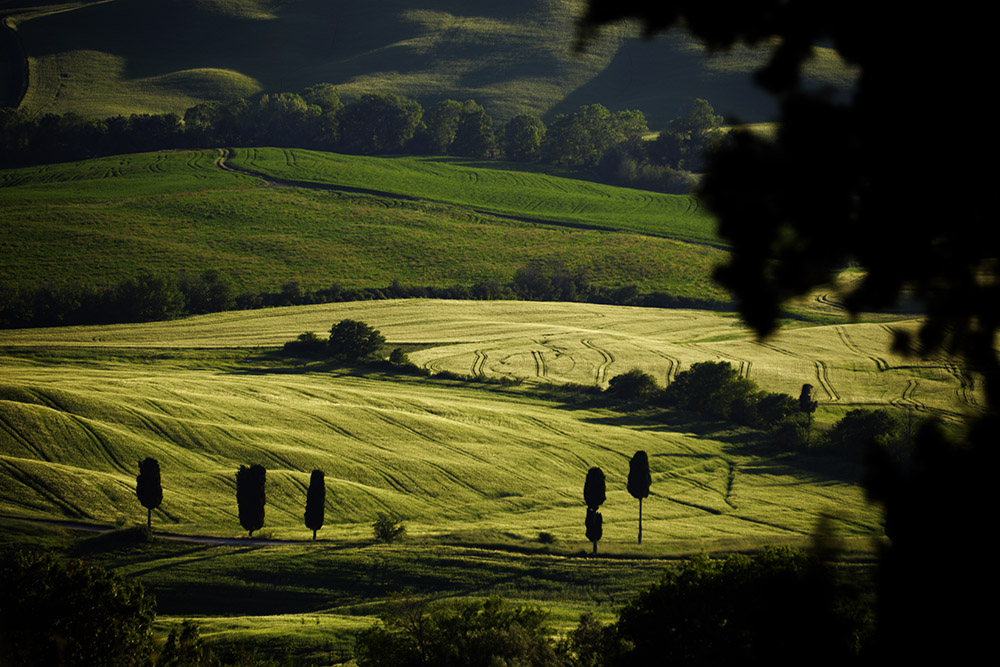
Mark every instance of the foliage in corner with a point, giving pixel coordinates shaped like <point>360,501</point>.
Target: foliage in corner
<point>72,613</point>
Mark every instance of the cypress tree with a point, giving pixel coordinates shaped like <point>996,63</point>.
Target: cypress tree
<point>595,529</point>
<point>250,496</point>
<point>148,489</point>
<point>639,480</point>
<point>594,495</point>
<point>315,501</point>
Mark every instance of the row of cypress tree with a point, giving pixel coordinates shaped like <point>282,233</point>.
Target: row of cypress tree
<point>594,494</point>
<point>251,495</point>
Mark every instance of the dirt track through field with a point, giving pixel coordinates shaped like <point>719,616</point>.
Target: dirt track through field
<point>194,539</point>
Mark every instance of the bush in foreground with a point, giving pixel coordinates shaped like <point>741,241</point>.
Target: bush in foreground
<point>73,613</point>
<point>388,529</point>
<point>781,606</point>
<point>457,634</point>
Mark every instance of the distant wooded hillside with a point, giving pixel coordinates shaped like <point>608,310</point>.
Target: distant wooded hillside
<point>113,57</point>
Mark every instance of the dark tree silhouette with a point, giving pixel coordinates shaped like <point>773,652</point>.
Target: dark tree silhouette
<point>806,402</point>
<point>594,495</point>
<point>639,480</point>
<point>595,527</point>
<point>352,340</point>
<point>250,496</point>
<point>148,489</point>
<point>857,180</point>
<point>315,501</point>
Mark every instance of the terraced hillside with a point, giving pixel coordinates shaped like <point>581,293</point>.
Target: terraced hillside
<point>108,57</point>
<point>361,222</point>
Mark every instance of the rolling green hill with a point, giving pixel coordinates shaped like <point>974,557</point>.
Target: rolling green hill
<point>431,223</point>
<point>112,57</point>
<point>478,471</point>
<point>82,404</point>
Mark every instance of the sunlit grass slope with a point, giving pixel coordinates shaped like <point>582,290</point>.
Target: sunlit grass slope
<point>480,186</point>
<point>850,365</point>
<point>101,221</point>
<point>79,409</point>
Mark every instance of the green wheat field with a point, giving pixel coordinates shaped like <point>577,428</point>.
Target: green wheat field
<point>477,471</point>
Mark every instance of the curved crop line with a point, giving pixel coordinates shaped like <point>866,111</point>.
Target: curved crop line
<point>703,508</point>
<point>827,301</point>
<point>907,400</point>
<point>540,369</point>
<point>43,490</point>
<point>27,444</point>
<point>101,442</point>
<point>602,369</point>
<point>823,377</point>
<point>479,364</point>
<point>966,385</point>
<point>880,364</point>
<point>780,350</point>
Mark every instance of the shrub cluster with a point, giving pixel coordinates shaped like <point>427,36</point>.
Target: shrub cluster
<point>714,390</point>
<point>350,340</point>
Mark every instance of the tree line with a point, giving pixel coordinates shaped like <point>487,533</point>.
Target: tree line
<point>149,297</point>
<point>615,146</point>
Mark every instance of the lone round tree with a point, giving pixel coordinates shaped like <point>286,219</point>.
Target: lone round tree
<point>315,501</point>
<point>250,496</point>
<point>351,340</point>
<point>639,480</point>
<point>148,489</point>
<point>594,495</point>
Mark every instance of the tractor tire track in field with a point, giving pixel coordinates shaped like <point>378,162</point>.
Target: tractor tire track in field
<point>744,364</point>
<point>825,300</point>
<point>966,385</point>
<point>540,370</point>
<point>673,366</point>
<point>823,377</point>
<point>881,364</point>
<point>479,364</point>
<point>907,400</point>
<point>601,374</point>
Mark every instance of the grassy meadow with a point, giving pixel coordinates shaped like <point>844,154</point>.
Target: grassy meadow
<point>478,471</point>
<point>102,221</point>
<point>485,188</point>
